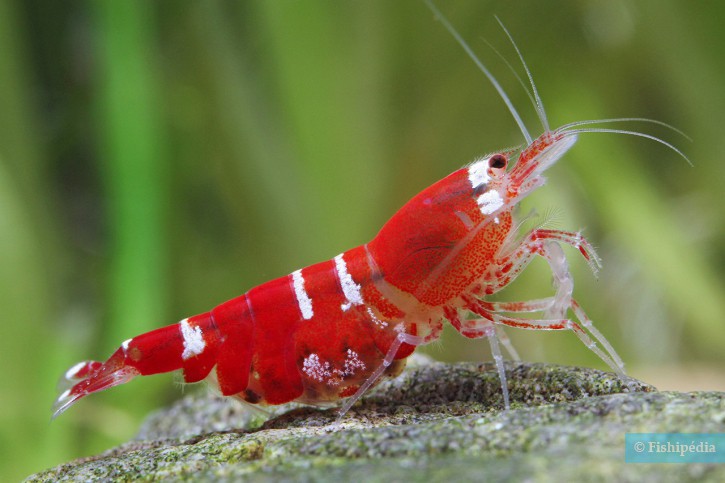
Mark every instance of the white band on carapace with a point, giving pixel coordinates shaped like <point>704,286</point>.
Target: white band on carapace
<point>349,287</point>
<point>303,300</point>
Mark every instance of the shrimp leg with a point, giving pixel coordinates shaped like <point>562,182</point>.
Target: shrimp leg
<point>392,351</point>
<point>485,327</point>
<point>546,244</point>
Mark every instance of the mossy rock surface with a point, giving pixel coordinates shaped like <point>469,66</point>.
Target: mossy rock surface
<point>436,422</point>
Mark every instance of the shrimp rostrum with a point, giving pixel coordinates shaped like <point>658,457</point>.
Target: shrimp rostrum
<point>332,330</point>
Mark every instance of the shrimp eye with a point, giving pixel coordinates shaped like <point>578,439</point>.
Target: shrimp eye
<point>497,161</point>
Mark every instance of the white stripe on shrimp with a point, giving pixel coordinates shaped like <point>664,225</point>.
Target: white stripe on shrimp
<point>490,201</point>
<point>349,287</point>
<point>193,340</point>
<point>303,300</point>
<point>478,173</point>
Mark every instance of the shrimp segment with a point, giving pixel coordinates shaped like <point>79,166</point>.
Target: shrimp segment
<point>335,329</point>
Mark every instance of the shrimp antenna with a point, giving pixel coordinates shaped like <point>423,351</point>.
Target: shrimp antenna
<point>513,71</point>
<point>538,104</point>
<point>483,69</point>
<point>626,119</point>
<point>629,133</point>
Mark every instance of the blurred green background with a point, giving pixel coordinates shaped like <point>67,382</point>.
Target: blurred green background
<point>157,158</point>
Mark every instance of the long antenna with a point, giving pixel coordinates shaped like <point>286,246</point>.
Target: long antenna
<point>488,74</point>
<point>513,71</point>
<point>539,104</point>
<point>629,133</point>
<point>625,119</point>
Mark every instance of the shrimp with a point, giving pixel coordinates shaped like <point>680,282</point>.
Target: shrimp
<point>333,330</point>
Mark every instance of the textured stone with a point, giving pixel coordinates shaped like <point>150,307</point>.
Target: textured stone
<point>436,422</point>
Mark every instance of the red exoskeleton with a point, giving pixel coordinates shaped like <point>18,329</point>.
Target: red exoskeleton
<point>334,329</point>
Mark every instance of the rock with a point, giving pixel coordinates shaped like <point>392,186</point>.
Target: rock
<point>436,422</point>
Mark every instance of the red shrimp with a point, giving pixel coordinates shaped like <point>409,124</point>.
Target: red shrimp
<point>334,329</point>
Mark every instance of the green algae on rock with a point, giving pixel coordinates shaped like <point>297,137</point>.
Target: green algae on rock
<point>434,423</point>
